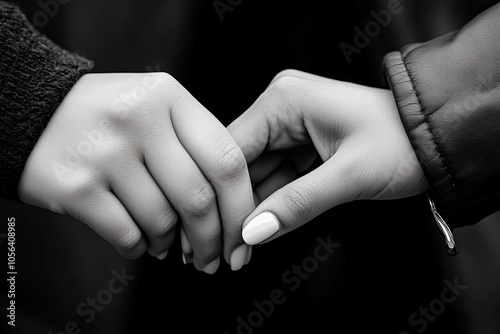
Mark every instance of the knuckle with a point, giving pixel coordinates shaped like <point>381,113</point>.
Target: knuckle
<point>200,203</point>
<point>163,77</point>
<point>116,114</point>
<point>285,83</point>
<point>299,202</point>
<point>80,188</point>
<point>167,86</point>
<point>165,223</point>
<point>231,163</point>
<point>141,97</point>
<point>129,241</point>
<point>286,73</point>
<point>291,92</point>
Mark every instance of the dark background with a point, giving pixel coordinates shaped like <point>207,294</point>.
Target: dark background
<point>391,260</point>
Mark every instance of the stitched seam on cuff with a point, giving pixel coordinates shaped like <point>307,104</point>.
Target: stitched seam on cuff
<point>429,129</point>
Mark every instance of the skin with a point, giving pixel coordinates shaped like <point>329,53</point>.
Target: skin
<point>134,155</point>
<point>159,157</point>
<point>355,130</point>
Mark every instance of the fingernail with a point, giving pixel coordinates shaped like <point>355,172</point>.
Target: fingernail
<point>260,228</point>
<point>211,268</point>
<point>185,244</point>
<point>162,256</point>
<point>238,257</point>
<point>187,259</point>
<point>249,255</point>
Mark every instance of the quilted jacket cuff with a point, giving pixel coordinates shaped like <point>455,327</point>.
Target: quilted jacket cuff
<point>421,134</point>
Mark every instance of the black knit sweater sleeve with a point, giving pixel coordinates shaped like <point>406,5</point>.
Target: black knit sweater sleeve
<point>35,75</point>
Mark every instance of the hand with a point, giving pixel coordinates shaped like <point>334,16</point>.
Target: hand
<point>128,154</point>
<point>357,132</point>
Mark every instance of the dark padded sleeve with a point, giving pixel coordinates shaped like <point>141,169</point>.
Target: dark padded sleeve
<point>448,95</point>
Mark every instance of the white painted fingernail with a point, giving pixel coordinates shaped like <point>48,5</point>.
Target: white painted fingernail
<point>249,255</point>
<point>162,256</point>
<point>260,228</point>
<point>212,267</point>
<point>187,259</point>
<point>238,257</point>
<point>185,244</point>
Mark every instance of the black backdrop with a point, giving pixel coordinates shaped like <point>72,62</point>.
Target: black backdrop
<point>391,259</point>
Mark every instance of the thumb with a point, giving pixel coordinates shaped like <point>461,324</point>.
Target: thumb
<point>251,132</point>
<point>275,121</point>
<point>335,182</point>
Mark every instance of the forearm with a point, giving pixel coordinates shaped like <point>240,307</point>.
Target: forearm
<point>35,76</point>
<point>448,98</point>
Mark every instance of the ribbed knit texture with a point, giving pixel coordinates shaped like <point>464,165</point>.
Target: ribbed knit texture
<point>35,76</point>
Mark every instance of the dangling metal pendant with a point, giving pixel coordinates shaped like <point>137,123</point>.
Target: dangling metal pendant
<point>445,230</point>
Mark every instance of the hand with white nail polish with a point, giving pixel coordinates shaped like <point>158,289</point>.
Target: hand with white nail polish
<point>130,154</point>
<point>355,130</point>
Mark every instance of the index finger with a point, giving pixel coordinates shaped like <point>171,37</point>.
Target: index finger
<point>222,162</point>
